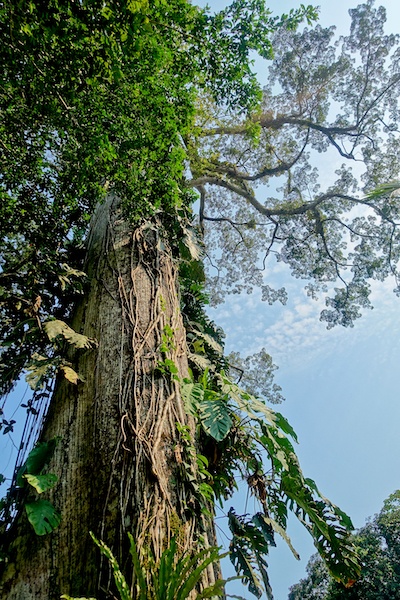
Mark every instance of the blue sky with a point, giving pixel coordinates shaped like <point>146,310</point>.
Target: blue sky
<point>341,389</point>
<point>341,386</point>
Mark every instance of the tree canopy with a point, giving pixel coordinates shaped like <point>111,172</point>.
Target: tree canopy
<point>98,96</point>
<point>377,544</point>
<point>323,97</point>
<point>157,103</point>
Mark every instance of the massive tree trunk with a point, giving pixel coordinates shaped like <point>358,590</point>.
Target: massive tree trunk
<point>120,457</point>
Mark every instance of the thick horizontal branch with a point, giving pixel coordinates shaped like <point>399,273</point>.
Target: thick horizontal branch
<point>278,122</point>
<point>248,224</point>
<point>284,166</point>
<point>286,211</point>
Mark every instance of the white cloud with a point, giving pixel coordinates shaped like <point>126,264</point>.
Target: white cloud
<point>293,334</point>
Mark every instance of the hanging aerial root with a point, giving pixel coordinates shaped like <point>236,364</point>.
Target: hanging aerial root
<point>150,405</point>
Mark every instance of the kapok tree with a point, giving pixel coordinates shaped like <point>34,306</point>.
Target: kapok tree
<point>116,117</point>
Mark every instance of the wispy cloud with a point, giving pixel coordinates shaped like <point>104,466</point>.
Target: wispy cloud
<point>293,334</point>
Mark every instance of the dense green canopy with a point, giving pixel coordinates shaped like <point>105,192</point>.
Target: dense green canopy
<point>98,96</point>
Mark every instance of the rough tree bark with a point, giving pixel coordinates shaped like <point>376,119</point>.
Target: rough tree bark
<point>119,461</point>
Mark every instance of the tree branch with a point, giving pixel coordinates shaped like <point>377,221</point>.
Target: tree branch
<point>266,172</point>
<point>248,194</point>
<point>267,122</point>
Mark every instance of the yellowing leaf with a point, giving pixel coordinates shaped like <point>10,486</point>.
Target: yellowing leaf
<point>56,328</point>
<point>41,483</point>
<point>38,371</point>
<point>70,374</point>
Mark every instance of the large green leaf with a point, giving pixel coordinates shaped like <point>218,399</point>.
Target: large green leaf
<point>249,546</point>
<point>193,395</point>
<point>56,329</point>
<point>283,424</point>
<point>328,525</point>
<point>37,459</point>
<point>262,567</point>
<point>43,517</point>
<point>215,418</point>
<point>40,455</point>
<point>265,527</point>
<point>241,557</point>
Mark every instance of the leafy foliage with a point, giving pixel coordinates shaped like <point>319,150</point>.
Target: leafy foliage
<point>246,437</point>
<point>63,146</point>
<point>249,544</point>
<point>30,478</point>
<point>40,369</point>
<point>243,435</point>
<point>175,577</point>
<point>214,417</point>
<point>41,483</point>
<point>378,549</point>
<point>37,459</point>
<point>261,193</point>
<point>56,329</point>
<point>238,30</point>
<point>66,65</point>
<point>42,515</point>
<point>210,407</point>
